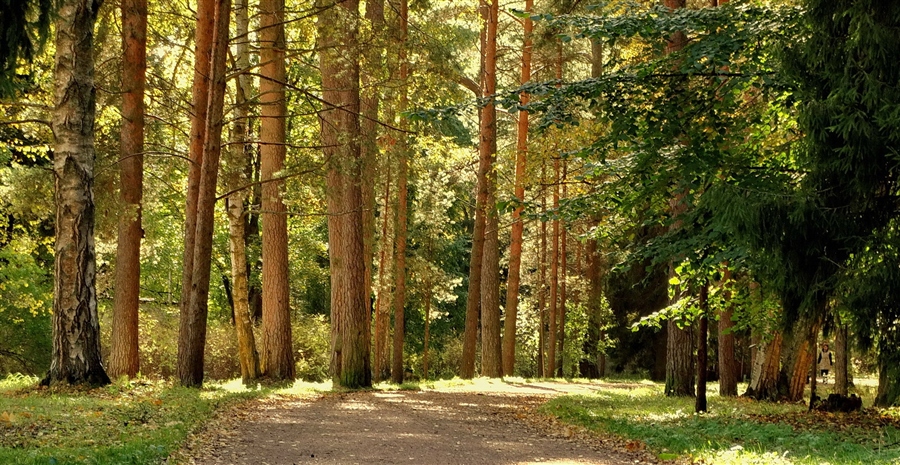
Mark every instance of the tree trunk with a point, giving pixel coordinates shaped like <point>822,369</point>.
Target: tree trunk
<point>382,301</point>
<point>563,270</point>
<point>192,327</point>
<point>589,366</point>
<point>278,354</point>
<point>76,327</point>
<point>702,348</point>
<point>204,34</point>
<point>235,203</point>
<point>679,361</point>
<point>764,380</point>
<point>476,259</point>
<point>338,30</point>
<point>491,364</point>
<point>397,368</point>
<point>728,373</point>
<point>542,289</point>
<point>124,359</point>
<point>679,358</point>
<point>801,355</point>
<point>518,226</point>
<point>592,365</point>
<point>426,343</point>
<point>554,278</point>
<point>888,394</point>
<point>841,367</point>
<point>371,81</point>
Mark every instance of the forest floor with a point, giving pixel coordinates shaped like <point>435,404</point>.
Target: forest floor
<point>472,424</point>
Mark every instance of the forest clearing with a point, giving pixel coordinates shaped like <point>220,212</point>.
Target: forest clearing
<point>385,198</point>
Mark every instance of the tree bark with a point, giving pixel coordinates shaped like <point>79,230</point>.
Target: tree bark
<point>427,342</point>
<point>590,364</point>
<point>491,363</point>
<point>204,34</point>
<point>76,327</point>
<point>338,29</point>
<point>369,103</point>
<point>235,204</point>
<point>382,303</point>
<point>278,355</point>
<point>542,290</point>
<point>518,226</point>
<point>702,348</point>
<point>563,271</point>
<point>192,325</point>
<point>679,358</point>
<point>842,377</point>
<point>764,381</point>
<point>397,368</point>
<point>476,259</point>
<point>554,277</point>
<point>124,358</point>
<point>728,374</point>
<point>802,355</point>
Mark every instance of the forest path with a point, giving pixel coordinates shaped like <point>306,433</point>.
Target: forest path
<point>447,426</point>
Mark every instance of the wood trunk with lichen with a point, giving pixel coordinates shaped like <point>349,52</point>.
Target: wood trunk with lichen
<point>75,358</point>
<point>235,204</point>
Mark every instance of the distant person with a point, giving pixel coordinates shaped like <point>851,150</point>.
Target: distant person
<point>826,360</point>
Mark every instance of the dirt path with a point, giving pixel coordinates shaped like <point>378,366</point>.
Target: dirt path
<point>406,427</point>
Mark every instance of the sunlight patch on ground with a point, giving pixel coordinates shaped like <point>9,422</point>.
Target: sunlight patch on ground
<point>356,405</point>
<point>740,456</point>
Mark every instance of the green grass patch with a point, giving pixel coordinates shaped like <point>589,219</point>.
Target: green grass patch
<point>139,422</point>
<point>736,430</point>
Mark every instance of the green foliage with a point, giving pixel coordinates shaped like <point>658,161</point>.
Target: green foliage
<point>26,298</point>
<point>735,431</point>
<point>24,26</point>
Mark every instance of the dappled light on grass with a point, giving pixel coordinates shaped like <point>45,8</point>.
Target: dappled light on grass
<point>138,421</point>
<point>736,430</point>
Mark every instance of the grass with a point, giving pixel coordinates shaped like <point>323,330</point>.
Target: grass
<point>736,430</point>
<point>139,422</point>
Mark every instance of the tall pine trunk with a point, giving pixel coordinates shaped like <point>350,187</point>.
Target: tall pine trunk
<point>554,278</point>
<point>382,368</point>
<point>76,327</point>
<point>124,359</point>
<point>192,325</point>
<point>518,226</point>
<point>491,364</point>
<point>590,364</point>
<point>542,290</point>
<point>338,31</point>
<point>400,229</point>
<point>278,355</point>
<point>680,341</point>
<point>563,271</point>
